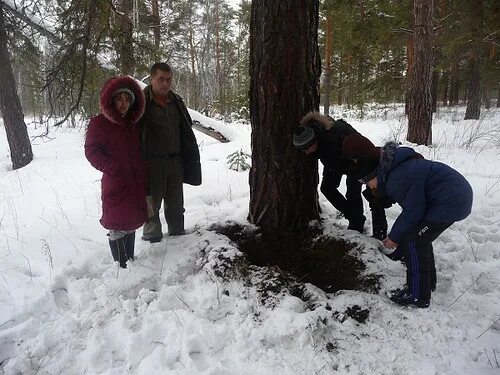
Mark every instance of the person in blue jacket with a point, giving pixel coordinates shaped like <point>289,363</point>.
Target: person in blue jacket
<point>433,196</point>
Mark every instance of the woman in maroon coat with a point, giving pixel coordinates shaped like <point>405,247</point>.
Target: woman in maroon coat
<point>113,146</point>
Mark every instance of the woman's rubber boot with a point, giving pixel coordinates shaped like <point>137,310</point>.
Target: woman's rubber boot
<point>129,245</point>
<point>118,251</point>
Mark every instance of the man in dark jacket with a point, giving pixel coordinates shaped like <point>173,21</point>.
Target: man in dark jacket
<point>433,196</point>
<point>323,137</point>
<point>170,148</point>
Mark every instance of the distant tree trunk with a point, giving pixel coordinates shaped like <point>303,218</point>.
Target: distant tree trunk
<point>486,100</point>
<point>498,96</point>
<point>283,182</point>
<point>194,80</point>
<point>218,71</point>
<point>420,99</point>
<point>434,90</point>
<point>410,61</point>
<point>473,110</point>
<point>328,70</point>
<point>125,47</point>
<point>454,85</point>
<point>445,83</point>
<point>12,113</point>
<point>155,19</point>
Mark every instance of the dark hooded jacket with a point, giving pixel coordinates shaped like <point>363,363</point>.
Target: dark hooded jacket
<point>425,189</point>
<point>330,134</point>
<point>190,153</point>
<point>113,146</point>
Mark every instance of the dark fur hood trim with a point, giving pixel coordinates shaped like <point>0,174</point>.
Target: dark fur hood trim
<point>135,111</point>
<point>326,121</point>
<point>387,156</point>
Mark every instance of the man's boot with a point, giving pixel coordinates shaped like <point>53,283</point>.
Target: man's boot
<point>357,224</point>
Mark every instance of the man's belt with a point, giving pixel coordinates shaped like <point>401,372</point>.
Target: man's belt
<point>166,156</point>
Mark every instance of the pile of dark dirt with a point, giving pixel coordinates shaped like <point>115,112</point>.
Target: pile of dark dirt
<point>328,263</point>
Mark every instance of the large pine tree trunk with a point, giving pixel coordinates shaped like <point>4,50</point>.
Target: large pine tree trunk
<point>420,98</point>
<point>284,71</point>
<point>10,106</point>
<point>474,87</point>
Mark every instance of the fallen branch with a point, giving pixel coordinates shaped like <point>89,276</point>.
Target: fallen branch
<point>211,132</point>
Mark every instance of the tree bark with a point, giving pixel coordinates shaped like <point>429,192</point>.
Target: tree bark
<point>194,79</point>
<point>284,71</point>
<point>445,83</point>
<point>155,18</point>
<point>420,98</point>
<point>454,85</point>
<point>21,153</point>
<point>125,40</point>
<point>327,87</point>
<point>473,110</point>
<point>434,90</point>
<point>410,61</point>
<point>498,96</point>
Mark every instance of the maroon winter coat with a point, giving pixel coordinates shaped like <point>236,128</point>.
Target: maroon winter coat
<point>113,146</point>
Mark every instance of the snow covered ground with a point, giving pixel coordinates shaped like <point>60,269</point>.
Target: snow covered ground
<point>65,307</point>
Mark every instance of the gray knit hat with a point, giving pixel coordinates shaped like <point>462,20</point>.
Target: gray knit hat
<point>126,91</point>
<point>303,137</point>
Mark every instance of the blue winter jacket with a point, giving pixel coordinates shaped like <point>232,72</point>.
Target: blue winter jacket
<point>425,189</point>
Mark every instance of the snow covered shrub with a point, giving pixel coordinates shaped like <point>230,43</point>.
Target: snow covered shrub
<point>237,161</point>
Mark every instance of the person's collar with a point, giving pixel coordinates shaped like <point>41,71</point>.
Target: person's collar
<point>160,100</point>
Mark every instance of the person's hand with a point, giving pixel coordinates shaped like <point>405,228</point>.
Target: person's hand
<point>388,243</point>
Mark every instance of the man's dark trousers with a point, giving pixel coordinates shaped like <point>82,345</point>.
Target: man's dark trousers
<point>351,206</point>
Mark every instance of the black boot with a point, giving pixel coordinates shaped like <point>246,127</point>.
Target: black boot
<point>129,245</point>
<point>114,250</point>
<point>357,224</point>
<point>118,251</point>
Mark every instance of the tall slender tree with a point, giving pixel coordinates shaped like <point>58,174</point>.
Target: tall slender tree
<point>284,71</point>
<point>328,60</point>
<point>473,110</point>
<point>21,153</point>
<point>420,98</point>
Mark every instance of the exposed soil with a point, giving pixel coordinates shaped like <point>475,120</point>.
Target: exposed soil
<point>328,263</point>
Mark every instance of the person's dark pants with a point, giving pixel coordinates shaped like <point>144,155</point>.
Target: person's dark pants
<point>351,206</point>
<point>377,208</point>
<point>417,252</point>
<point>166,186</point>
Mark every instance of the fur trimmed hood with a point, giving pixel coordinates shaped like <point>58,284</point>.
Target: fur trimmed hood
<point>393,154</point>
<point>135,111</point>
<point>317,117</point>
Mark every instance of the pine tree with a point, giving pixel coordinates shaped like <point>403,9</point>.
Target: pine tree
<point>21,153</point>
<point>284,70</point>
<point>419,96</point>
